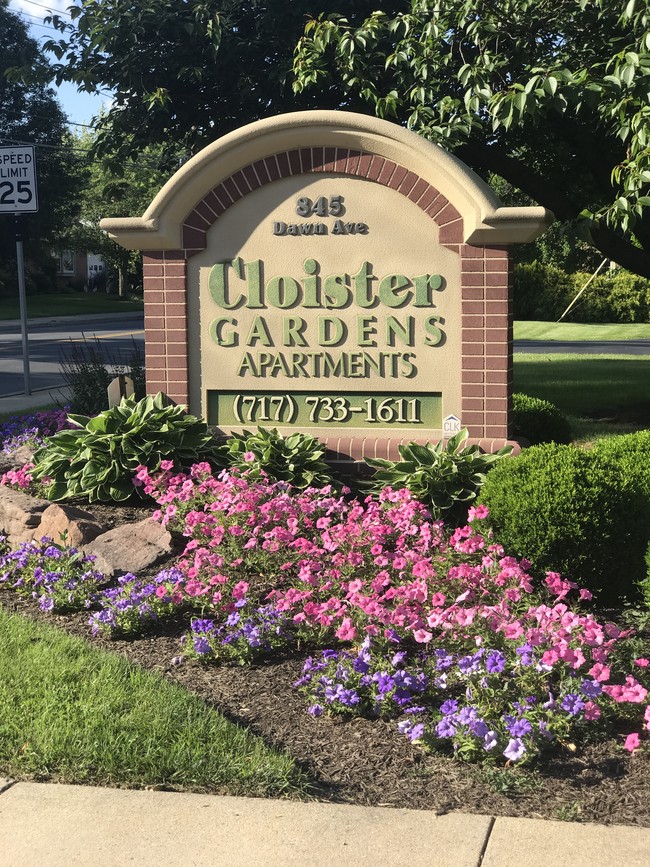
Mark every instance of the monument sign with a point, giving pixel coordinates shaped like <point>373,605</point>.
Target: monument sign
<point>336,274</point>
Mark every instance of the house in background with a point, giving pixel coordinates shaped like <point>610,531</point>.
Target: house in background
<point>80,270</point>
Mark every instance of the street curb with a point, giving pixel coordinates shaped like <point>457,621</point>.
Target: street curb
<point>71,320</point>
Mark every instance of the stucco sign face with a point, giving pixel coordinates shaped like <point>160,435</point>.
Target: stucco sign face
<point>330,304</point>
<point>331,273</point>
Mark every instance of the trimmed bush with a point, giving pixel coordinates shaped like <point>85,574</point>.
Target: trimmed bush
<point>544,292</point>
<point>539,421</point>
<point>631,453</point>
<point>570,511</point>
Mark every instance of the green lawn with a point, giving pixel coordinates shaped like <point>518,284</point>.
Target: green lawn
<point>72,713</point>
<point>584,384</point>
<point>573,331</point>
<point>73,304</point>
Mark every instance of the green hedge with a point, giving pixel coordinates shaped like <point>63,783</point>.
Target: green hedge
<point>543,292</point>
<point>574,512</point>
<point>538,421</point>
<point>631,453</point>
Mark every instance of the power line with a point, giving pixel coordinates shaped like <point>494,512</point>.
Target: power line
<point>47,8</point>
<point>142,160</point>
<point>42,117</point>
<point>24,15</point>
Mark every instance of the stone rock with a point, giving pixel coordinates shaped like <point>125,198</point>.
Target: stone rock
<point>16,459</point>
<point>20,515</point>
<point>130,547</point>
<point>80,526</point>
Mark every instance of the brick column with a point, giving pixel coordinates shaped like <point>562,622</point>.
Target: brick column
<point>165,323</point>
<point>487,351</point>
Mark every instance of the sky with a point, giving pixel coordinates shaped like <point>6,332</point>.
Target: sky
<point>79,107</point>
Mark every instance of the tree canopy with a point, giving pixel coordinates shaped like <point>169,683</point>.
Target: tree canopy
<point>185,73</point>
<point>30,115</point>
<point>107,194</point>
<point>551,95</point>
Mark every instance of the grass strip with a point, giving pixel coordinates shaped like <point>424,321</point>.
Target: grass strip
<point>584,384</point>
<point>75,714</point>
<point>581,331</point>
<point>74,304</point>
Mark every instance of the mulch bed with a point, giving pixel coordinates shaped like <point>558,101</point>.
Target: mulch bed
<point>366,762</point>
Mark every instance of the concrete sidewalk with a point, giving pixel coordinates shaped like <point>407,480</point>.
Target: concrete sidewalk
<point>21,404</point>
<point>52,825</point>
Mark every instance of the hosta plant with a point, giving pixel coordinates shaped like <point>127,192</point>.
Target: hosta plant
<point>100,457</point>
<point>446,477</point>
<point>297,458</point>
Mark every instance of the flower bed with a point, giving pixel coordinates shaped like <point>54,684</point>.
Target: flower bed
<point>441,633</point>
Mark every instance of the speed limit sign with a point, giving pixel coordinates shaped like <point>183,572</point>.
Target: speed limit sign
<point>18,193</point>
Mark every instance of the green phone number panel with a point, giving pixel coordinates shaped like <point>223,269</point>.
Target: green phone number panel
<point>320,410</point>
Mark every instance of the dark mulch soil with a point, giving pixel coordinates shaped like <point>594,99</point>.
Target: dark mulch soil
<point>366,762</point>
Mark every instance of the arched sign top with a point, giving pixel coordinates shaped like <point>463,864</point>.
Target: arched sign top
<point>484,220</point>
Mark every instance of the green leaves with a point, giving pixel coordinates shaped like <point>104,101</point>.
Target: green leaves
<point>554,100</point>
<point>445,476</point>
<point>100,458</point>
<point>297,459</point>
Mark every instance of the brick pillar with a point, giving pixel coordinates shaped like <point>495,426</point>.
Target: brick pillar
<point>487,350</point>
<point>165,323</point>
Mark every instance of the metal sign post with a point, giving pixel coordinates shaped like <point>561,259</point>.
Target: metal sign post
<point>19,195</point>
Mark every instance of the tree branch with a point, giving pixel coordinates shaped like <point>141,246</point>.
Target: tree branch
<point>611,244</point>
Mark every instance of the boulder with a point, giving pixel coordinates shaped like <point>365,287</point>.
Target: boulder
<point>20,515</point>
<point>130,547</point>
<point>78,526</point>
<point>18,458</point>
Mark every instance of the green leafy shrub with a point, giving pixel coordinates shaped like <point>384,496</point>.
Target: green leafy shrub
<point>540,291</point>
<point>631,453</point>
<point>539,421</point>
<point>446,477</point>
<point>100,457</point>
<point>568,511</point>
<point>297,459</point>
<point>545,291</point>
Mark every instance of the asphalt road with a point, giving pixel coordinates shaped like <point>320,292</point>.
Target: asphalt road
<point>584,347</point>
<point>49,340</point>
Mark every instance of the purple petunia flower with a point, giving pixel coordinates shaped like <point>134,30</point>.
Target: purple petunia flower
<point>479,728</point>
<point>495,662</point>
<point>591,688</point>
<point>201,646</point>
<point>445,728</point>
<point>572,703</point>
<point>449,707</point>
<point>517,727</point>
<point>46,603</point>
<point>490,740</point>
<point>444,659</point>
<point>515,750</point>
<point>416,732</point>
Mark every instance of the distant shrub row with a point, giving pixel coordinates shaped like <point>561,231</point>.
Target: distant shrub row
<point>544,292</point>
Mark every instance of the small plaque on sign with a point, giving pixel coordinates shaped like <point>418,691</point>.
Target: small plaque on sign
<point>451,425</point>
<point>121,386</point>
